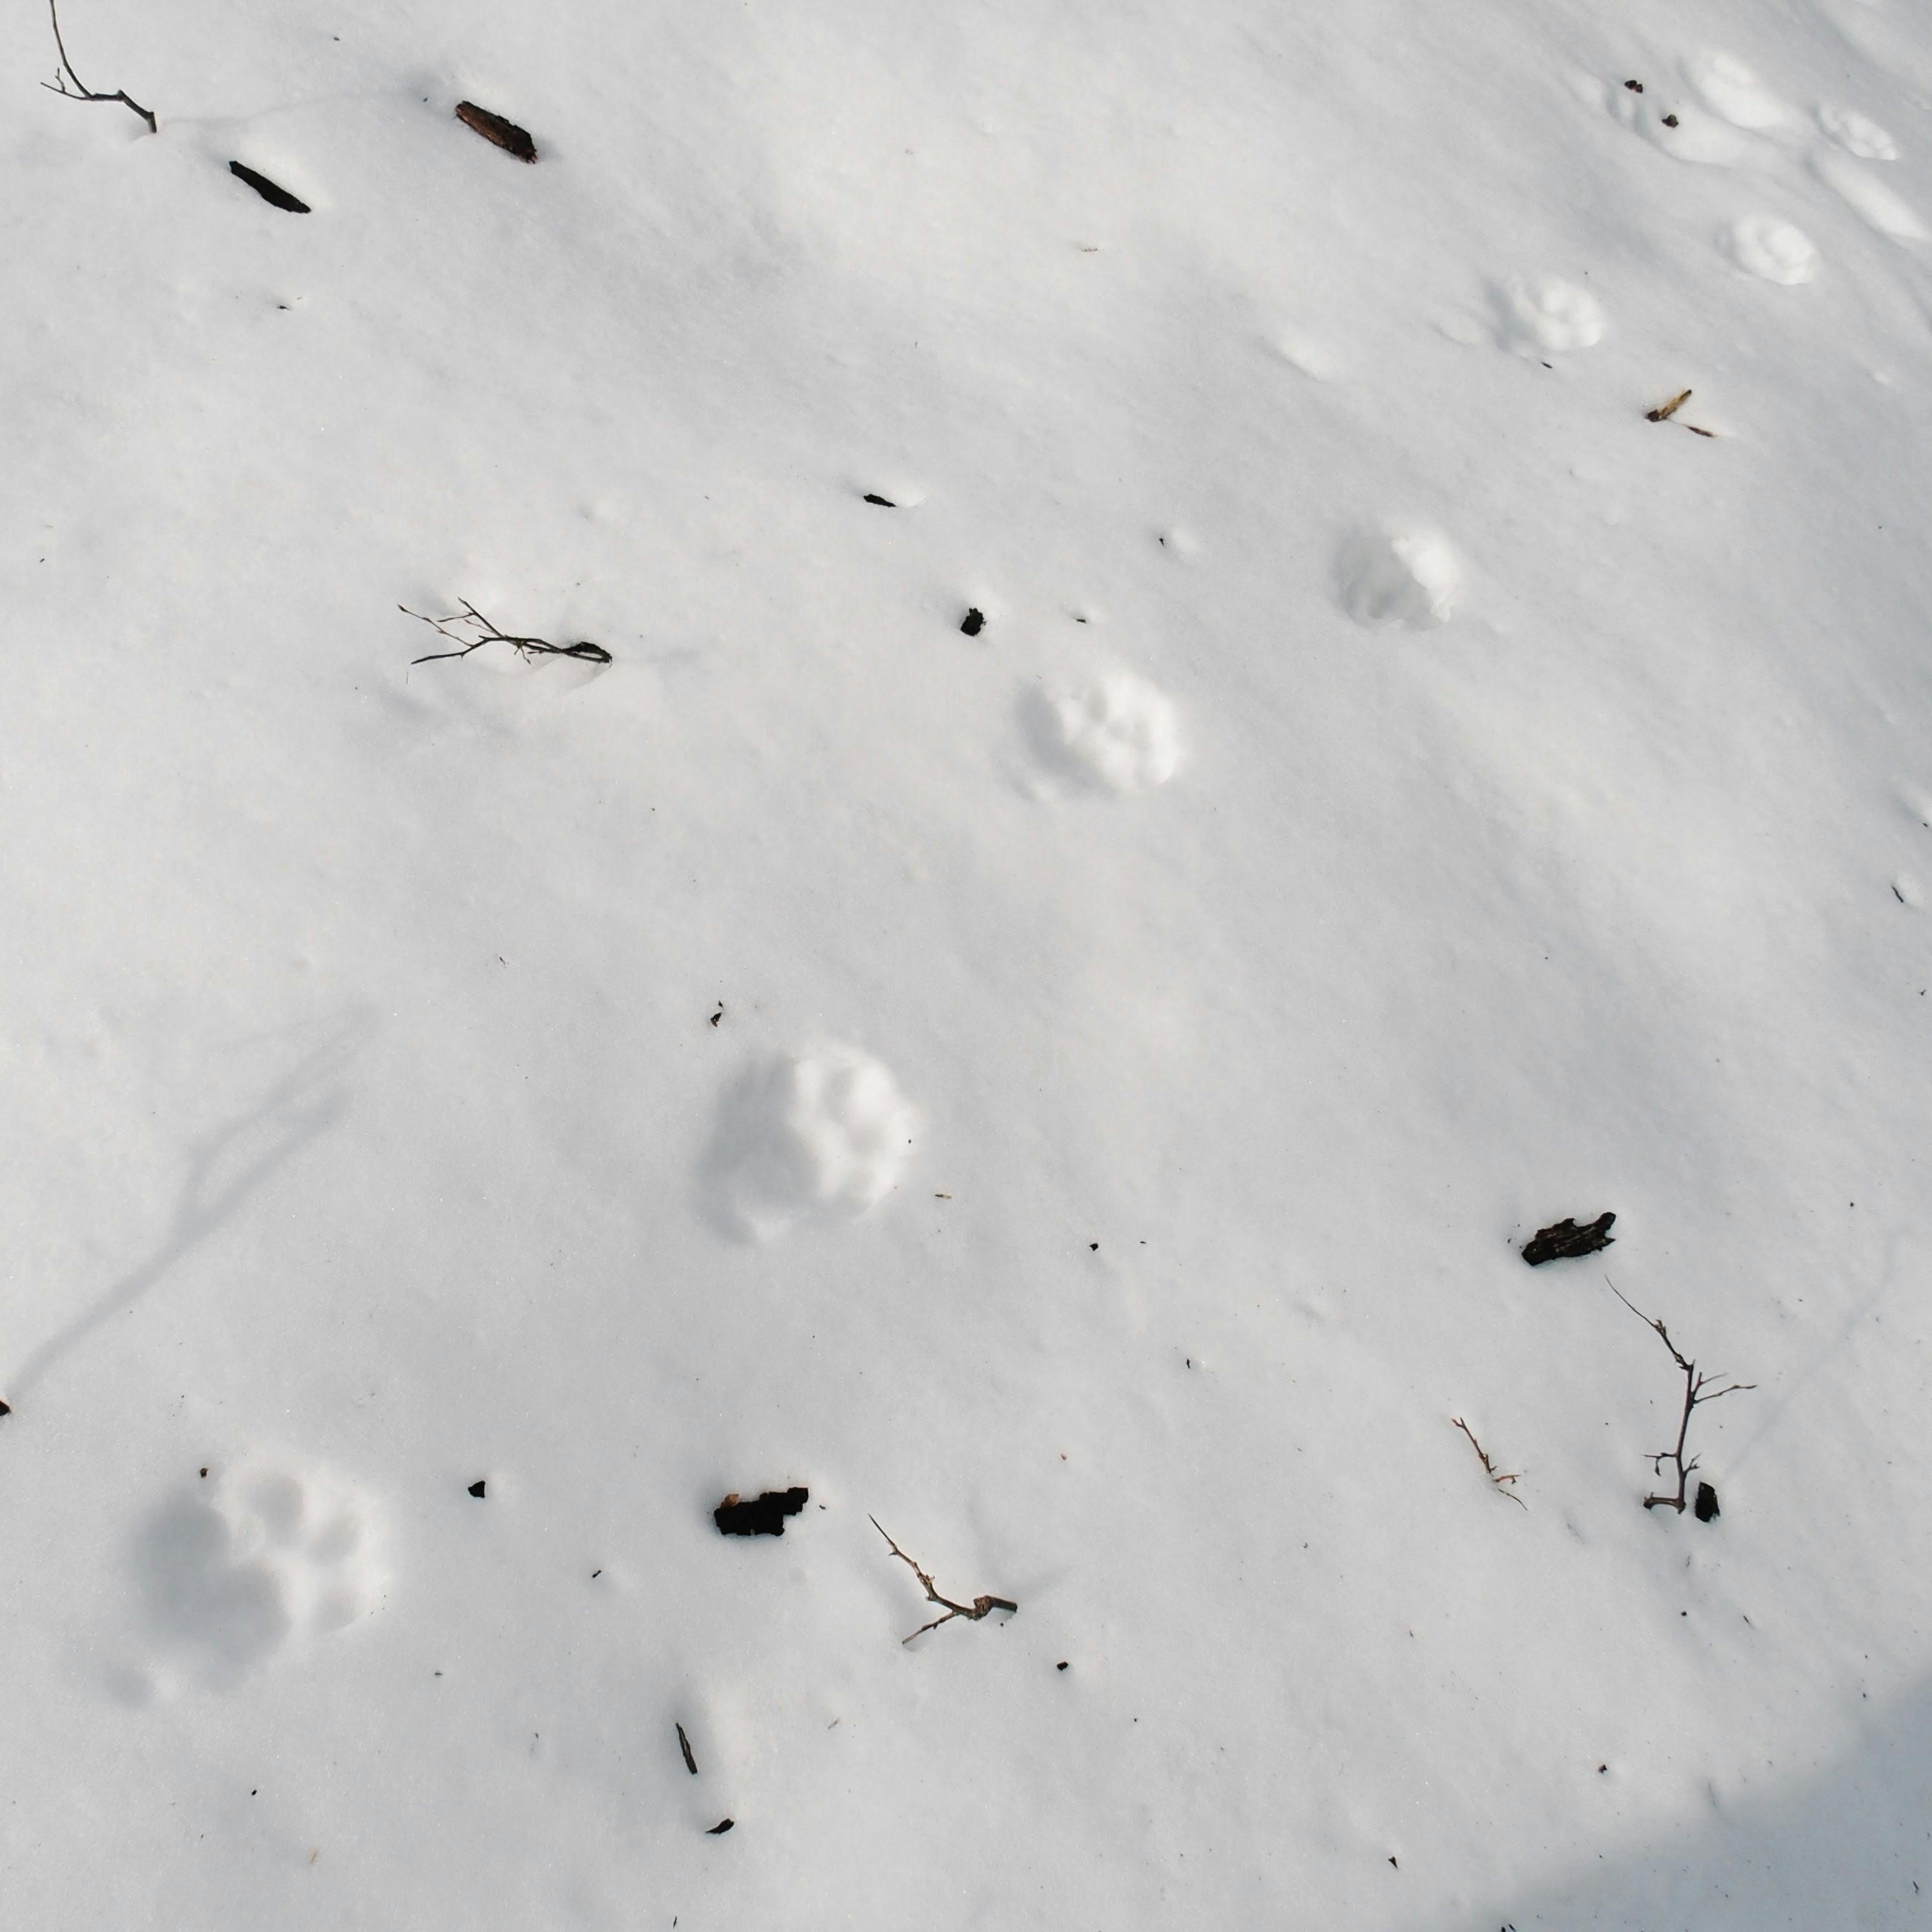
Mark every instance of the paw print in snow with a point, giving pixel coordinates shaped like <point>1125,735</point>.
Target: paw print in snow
<point>276,1558</point>
<point>1544,317</point>
<point>1114,732</point>
<point>1410,577</point>
<point>1731,91</point>
<point>816,1136</point>
<point>1857,136</point>
<point>1774,251</point>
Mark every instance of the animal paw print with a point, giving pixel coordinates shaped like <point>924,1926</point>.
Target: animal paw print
<point>1547,317</point>
<point>1857,135</point>
<point>816,1136</point>
<point>1732,92</point>
<point>1410,576</point>
<point>1772,250</point>
<point>276,1558</point>
<point>1115,732</point>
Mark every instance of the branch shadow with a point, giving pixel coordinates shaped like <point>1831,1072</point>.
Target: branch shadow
<point>225,1167</point>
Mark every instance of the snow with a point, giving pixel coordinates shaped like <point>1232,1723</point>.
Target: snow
<point>1400,797</point>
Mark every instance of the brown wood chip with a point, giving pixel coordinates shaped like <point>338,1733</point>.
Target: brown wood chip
<point>506,134</point>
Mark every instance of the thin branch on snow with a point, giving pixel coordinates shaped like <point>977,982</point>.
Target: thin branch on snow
<point>1697,1390</point>
<point>1489,1469</point>
<point>80,91</point>
<point>487,633</point>
<point>1664,412</point>
<point>973,1612</point>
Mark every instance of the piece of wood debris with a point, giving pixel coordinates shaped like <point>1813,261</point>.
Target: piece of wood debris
<point>764,1516</point>
<point>275,197</point>
<point>503,133</point>
<point>1564,1240</point>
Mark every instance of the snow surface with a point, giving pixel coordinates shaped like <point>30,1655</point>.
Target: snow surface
<point>1075,1092</point>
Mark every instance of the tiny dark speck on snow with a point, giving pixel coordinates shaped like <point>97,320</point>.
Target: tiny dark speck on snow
<point>883,502</point>
<point>476,1489</point>
<point>719,1830</point>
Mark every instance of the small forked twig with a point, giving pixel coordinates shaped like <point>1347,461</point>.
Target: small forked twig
<point>1666,411</point>
<point>80,91</point>
<point>1697,1390</point>
<point>524,647</point>
<point>973,1612</point>
<point>1489,1469</point>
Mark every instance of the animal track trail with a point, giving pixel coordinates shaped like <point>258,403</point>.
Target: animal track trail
<point>1742,121</point>
<point>278,1557</point>
<point>1113,732</point>
<point>1410,577</point>
<point>814,1136</point>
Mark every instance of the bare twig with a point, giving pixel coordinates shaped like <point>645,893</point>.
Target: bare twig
<point>488,633</point>
<point>80,91</point>
<point>1664,412</point>
<point>1697,1390</point>
<point>973,1612</point>
<point>1489,1469</point>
